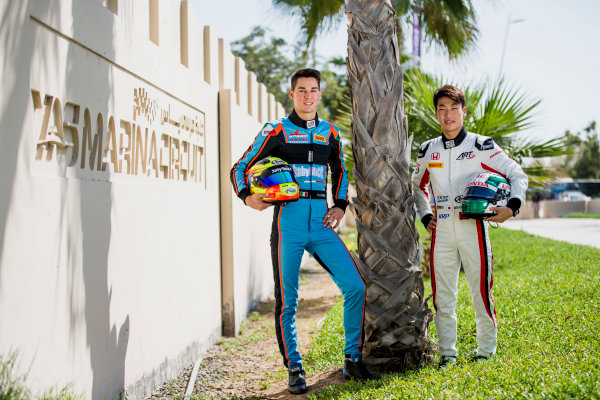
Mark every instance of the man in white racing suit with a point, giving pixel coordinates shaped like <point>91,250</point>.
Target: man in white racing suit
<point>448,163</point>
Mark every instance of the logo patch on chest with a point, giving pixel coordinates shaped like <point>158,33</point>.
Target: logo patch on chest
<point>467,155</point>
<point>298,137</point>
<point>435,165</point>
<point>319,138</point>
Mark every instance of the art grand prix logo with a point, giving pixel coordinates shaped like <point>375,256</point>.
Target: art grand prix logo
<point>467,155</point>
<point>435,156</point>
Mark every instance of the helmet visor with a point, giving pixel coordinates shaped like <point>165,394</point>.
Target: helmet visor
<point>474,206</point>
<point>278,178</point>
<point>480,192</point>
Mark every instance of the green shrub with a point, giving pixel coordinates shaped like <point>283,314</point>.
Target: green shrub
<point>581,215</point>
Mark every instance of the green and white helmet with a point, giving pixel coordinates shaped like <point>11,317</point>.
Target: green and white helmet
<point>486,190</point>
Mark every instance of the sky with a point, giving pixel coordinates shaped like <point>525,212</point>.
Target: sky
<point>552,51</point>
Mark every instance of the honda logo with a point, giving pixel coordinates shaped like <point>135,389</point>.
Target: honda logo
<point>435,156</point>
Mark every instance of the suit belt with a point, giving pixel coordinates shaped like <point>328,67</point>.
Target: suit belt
<point>449,208</point>
<point>313,194</point>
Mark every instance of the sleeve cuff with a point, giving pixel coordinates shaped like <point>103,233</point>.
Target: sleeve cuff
<point>341,204</point>
<point>426,219</point>
<point>243,194</point>
<point>514,204</point>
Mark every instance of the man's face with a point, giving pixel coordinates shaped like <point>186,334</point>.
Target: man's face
<point>451,115</point>
<point>306,96</point>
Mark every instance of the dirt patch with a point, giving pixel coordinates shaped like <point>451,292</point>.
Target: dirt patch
<point>249,366</point>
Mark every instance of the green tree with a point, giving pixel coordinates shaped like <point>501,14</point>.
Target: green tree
<point>273,61</point>
<point>268,59</point>
<point>335,88</point>
<point>584,162</point>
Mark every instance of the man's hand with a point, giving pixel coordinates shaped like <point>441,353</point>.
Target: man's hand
<point>255,201</point>
<point>503,213</point>
<point>333,217</point>
<point>431,225</point>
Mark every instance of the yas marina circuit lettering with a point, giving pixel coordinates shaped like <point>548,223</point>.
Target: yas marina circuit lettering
<point>156,142</point>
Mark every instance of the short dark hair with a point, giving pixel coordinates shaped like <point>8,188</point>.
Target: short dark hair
<point>306,73</point>
<point>449,91</point>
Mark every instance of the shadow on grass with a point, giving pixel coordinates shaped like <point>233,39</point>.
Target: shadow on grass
<point>308,307</point>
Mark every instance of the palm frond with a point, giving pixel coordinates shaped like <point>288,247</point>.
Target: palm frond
<point>539,174</point>
<point>521,148</point>
<point>316,16</point>
<point>505,110</point>
<point>451,24</point>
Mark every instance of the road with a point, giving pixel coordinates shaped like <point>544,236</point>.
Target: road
<point>574,230</point>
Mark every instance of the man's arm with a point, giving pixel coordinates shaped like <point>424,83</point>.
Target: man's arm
<point>420,181</point>
<point>339,174</point>
<point>339,180</point>
<point>499,162</point>
<point>263,145</point>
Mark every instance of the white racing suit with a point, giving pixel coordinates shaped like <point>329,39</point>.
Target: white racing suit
<point>448,166</point>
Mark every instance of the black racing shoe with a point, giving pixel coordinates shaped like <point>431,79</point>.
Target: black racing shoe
<point>446,361</point>
<point>297,382</point>
<point>478,358</point>
<point>357,370</point>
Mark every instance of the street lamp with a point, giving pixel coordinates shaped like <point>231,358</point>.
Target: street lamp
<point>508,22</point>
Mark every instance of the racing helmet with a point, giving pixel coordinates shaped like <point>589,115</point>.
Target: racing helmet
<point>275,177</point>
<point>486,190</point>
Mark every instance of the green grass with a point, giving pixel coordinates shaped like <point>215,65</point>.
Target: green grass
<point>581,215</point>
<point>546,295</point>
<point>13,385</point>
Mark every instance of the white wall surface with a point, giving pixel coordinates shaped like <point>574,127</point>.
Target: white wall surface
<point>253,271</point>
<point>110,271</point>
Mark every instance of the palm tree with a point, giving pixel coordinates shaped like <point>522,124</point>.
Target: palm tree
<point>450,24</point>
<point>498,110</point>
<point>397,315</point>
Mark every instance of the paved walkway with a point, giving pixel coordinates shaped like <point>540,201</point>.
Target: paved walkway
<point>574,230</point>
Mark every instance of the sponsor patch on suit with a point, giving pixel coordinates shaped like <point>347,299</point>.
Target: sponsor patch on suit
<point>321,139</point>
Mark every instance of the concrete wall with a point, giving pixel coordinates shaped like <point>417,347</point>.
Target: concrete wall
<point>557,208</point>
<point>111,249</point>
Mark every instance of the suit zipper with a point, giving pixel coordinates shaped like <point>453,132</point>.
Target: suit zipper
<point>310,161</point>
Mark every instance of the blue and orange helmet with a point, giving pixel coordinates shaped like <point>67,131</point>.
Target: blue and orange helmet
<point>274,177</point>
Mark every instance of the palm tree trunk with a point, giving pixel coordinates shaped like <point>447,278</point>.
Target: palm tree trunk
<point>397,315</point>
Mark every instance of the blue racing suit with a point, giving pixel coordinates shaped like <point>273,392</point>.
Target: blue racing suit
<point>309,147</point>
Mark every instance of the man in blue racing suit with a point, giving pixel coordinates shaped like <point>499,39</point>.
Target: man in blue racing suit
<point>309,145</point>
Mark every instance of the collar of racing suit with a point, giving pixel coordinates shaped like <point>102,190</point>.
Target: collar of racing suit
<point>296,120</point>
<point>449,143</point>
